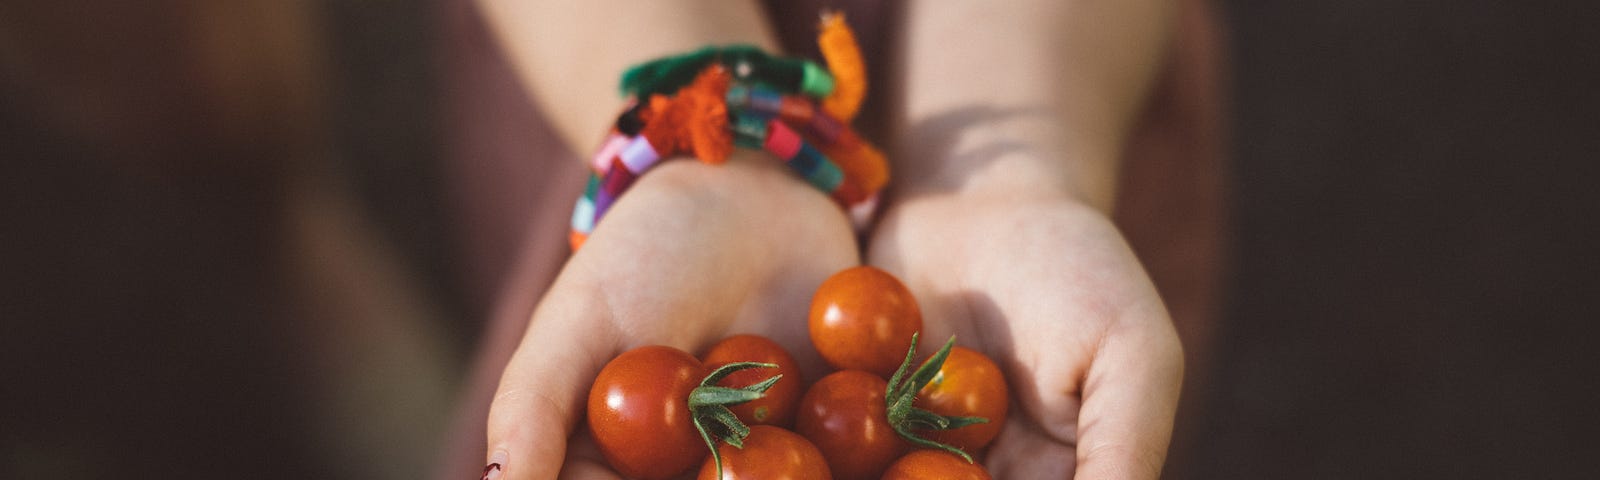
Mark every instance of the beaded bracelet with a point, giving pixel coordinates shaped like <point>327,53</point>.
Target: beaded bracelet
<point>706,102</point>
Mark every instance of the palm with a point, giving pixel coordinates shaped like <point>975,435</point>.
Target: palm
<point>692,254</point>
<point>1051,292</point>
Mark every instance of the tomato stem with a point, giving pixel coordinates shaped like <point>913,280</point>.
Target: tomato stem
<point>901,395</point>
<point>708,406</point>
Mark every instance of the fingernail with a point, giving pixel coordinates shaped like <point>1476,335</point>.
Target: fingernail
<point>492,470</point>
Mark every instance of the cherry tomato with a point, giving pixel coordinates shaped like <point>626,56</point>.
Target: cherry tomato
<point>639,414</point>
<point>934,465</point>
<point>967,385</point>
<point>777,407</point>
<point>862,318</point>
<point>769,453</point>
<point>843,414</point>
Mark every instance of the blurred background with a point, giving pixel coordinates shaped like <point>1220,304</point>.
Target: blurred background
<point>266,239</point>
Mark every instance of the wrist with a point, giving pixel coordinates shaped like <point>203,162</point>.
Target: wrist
<point>1005,156</point>
<point>977,211</point>
<point>748,196</point>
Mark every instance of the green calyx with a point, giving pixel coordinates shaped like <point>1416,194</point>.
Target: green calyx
<point>902,393</point>
<point>708,405</point>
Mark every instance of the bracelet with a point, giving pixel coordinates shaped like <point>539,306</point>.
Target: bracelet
<point>706,102</point>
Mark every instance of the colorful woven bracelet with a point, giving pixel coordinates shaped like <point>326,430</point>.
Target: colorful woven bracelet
<point>747,63</point>
<point>706,102</point>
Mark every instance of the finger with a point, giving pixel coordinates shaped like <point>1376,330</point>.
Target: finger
<point>1129,398</point>
<point>543,390</point>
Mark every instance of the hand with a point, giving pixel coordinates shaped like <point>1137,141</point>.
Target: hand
<point>691,253</point>
<point>1050,291</point>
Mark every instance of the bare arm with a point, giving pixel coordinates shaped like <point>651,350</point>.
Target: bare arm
<point>663,285</point>
<point>1009,130</point>
<point>1052,85</point>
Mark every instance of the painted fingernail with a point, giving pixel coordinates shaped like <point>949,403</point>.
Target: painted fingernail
<point>492,470</point>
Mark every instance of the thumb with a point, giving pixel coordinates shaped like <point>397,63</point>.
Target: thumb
<point>1129,399</point>
<point>542,392</point>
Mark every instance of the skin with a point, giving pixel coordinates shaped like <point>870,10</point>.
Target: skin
<point>638,412</point>
<point>862,319</point>
<point>777,407</point>
<point>844,415</point>
<point>934,465</point>
<point>1002,229</point>
<point>769,453</point>
<point>968,385</point>
<point>998,224</point>
<point>629,287</point>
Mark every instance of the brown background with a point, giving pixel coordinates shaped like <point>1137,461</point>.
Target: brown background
<point>1415,269</point>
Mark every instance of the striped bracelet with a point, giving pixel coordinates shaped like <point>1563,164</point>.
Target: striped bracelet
<point>705,103</point>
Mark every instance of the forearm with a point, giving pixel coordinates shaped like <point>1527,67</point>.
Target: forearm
<point>1032,98</point>
<point>569,54</point>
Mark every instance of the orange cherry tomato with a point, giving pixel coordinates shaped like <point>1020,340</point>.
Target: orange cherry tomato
<point>969,384</point>
<point>862,318</point>
<point>769,453</point>
<point>638,412</point>
<point>844,415</point>
<point>777,407</point>
<point>934,465</point>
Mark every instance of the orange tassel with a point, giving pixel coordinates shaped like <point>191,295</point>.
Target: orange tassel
<point>865,167</point>
<point>862,164</point>
<point>695,121</point>
<point>653,106</point>
<point>839,48</point>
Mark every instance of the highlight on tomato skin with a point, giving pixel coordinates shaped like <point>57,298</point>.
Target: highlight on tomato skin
<point>656,411</point>
<point>934,465</point>
<point>969,384</point>
<point>769,453</point>
<point>637,413</point>
<point>778,406</point>
<point>862,318</point>
<point>845,415</point>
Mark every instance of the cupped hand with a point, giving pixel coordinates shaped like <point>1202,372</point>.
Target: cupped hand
<point>1048,288</point>
<point>691,253</point>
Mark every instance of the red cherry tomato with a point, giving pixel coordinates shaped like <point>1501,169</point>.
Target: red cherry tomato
<point>934,465</point>
<point>967,385</point>
<point>862,318</point>
<point>777,407</point>
<point>639,414</point>
<point>843,414</point>
<point>769,453</point>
